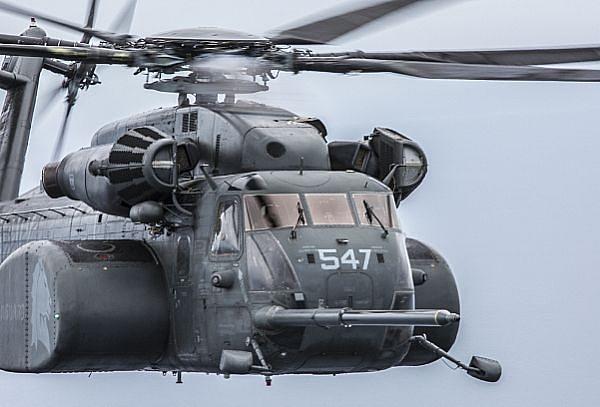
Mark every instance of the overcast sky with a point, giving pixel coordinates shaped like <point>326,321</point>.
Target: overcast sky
<point>511,200</point>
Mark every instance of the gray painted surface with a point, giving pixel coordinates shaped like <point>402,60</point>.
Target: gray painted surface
<point>16,118</point>
<point>122,307</point>
<point>515,213</point>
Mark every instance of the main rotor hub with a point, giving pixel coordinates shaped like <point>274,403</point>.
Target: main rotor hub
<point>207,87</point>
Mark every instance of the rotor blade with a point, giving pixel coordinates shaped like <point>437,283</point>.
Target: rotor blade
<point>541,56</point>
<point>96,55</point>
<point>90,21</point>
<point>60,141</point>
<point>103,35</point>
<point>324,30</point>
<point>122,24</point>
<point>437,70</point>
<point>45,103</point>
<point>91,54</point>
<point>20,39</point>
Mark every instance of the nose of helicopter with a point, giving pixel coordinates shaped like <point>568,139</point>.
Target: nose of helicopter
<point>340,268</point>
<point>356,268</point>
<point>336,267</point>
<point>312,245</point>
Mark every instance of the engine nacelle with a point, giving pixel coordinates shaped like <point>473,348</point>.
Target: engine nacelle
<point>82,306</point>
<point>143,165</point>
<point>386,155</point>
<point>435,288</point>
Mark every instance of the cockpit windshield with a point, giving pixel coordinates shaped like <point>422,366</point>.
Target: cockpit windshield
<point>375,208</point>
<point>329,209</point>
<point>271,211</point>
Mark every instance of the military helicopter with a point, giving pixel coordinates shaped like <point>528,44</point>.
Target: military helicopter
<point>224,236</point>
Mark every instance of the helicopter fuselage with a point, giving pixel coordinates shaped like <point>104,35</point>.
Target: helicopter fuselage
<point>294,235</point>
<point>336,260</point>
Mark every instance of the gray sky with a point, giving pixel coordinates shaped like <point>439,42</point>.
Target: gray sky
<point>511,200</point>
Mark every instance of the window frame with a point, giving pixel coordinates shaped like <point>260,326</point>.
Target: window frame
<point>350,199</point>
<point>269,270</point>
<point>248,227</point>
<point>183,240</point>
<point>241,232</point>
<point>357,208</point>
<point>309,211</point>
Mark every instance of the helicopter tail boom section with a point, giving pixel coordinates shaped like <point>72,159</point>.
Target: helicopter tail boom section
<point>20,77</point>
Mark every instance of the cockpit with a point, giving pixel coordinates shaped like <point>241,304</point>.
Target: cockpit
<point>273,211</point>
<point>309,239</point>
<point>283,217</point>
<point>282,234</point>
<point>277,211</point>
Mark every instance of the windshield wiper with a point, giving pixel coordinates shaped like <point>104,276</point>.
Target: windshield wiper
<point>370,214</point>
<point>301,218</point>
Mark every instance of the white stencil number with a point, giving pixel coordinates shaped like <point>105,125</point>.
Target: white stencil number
<point>331,261</point>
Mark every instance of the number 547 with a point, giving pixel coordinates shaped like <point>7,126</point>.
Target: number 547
<point>330,260</point>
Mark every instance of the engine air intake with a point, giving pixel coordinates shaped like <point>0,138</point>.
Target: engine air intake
<point>142,165</point>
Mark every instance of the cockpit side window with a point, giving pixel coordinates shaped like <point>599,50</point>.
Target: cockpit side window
<point>259,275</point>
<point>371,207</point>
<point>329,209</point>
<point>226,234</point>
<point>269,269</point>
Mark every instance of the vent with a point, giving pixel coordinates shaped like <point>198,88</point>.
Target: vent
<point>189,123</point>
<point>126,161</point>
